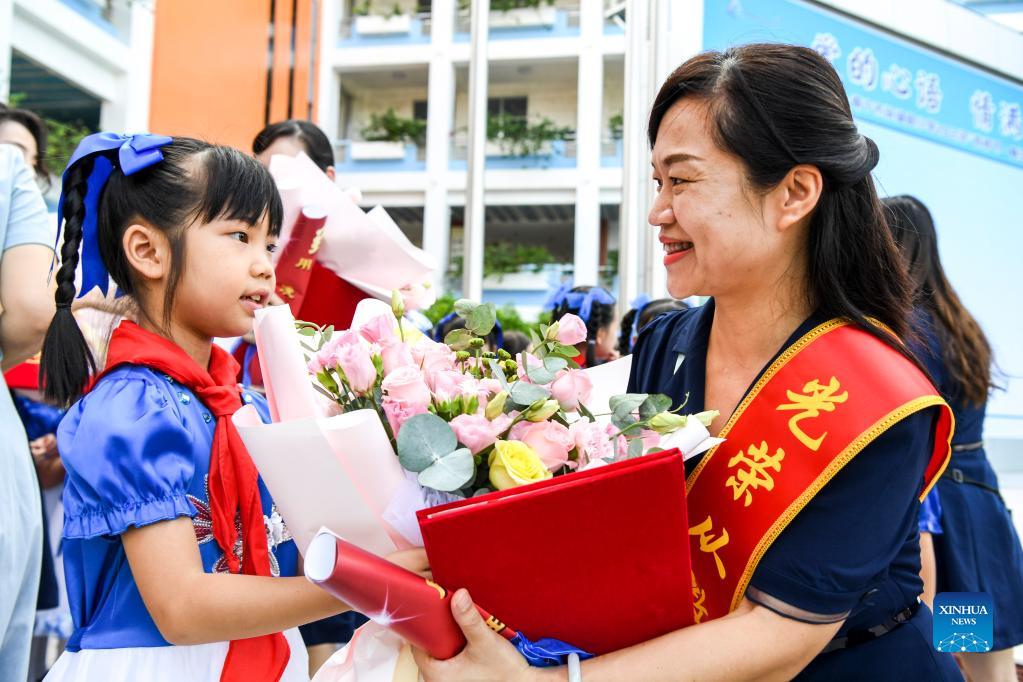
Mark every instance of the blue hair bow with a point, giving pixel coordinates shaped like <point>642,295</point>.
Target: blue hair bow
<point>558,297</point>
<point>594,295</point>
<point>582,301</point>
<point>638,304</point>
<point>134,153</point>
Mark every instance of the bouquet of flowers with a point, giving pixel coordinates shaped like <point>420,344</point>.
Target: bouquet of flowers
<point>468,420</point>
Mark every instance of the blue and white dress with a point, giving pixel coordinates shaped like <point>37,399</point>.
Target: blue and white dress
<point>137,452</point>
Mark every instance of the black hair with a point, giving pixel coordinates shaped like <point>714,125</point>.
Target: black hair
<point>195,182</point>
<point>601,316</point>
<point>515,342</point>
<point>37,129</point>
<point>315,141</point>
<point>776,106</point>
<point>965,350</point>
<point>451,323</point>
<point>650,311</point>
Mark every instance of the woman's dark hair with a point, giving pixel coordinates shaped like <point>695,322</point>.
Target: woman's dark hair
<point>965,350</point>
<point>195,182</point>
<point>315,141</point>
<point>646,314</point>
<point>37,129</point>
<point>776,106</point>
<point>515,342</point>
<point>601,316</point>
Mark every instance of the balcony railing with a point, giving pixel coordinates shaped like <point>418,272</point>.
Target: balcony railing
<point>611,154</point>
<point>105,15</point>
<point>554,154</point>
<point>376,29</point>
<point>524,22</point>
<point>359,156</point>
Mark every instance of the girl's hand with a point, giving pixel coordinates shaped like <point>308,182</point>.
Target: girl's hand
<point>414,560</point>
<point>486,656</point>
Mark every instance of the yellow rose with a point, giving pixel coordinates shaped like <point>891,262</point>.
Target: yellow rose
<point>513,463</point>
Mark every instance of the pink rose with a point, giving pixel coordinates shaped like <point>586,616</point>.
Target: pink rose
<point>315,364</point>
<point>329,355</point>
<point>395,354</point>
<point>379,329</point>
<point>417,296</point>
<point>592,441</point>
<point>406,384</point>
<point>447,384</point>
<point>571,330</point>
<point>433,356</point>
<point>398,412</point>
<point>358,368</point>
<point>478,433</point>
<point>491,386</point>
<point>519,430</point>
<point>571,387</point>
<point>551,441</point>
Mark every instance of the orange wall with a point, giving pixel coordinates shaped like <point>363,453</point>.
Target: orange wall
<point>210,68</point>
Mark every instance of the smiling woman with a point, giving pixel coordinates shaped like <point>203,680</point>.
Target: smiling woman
<point>805,555</point>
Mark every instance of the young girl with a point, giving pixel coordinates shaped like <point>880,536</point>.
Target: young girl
<point>175,555</point>
<point>596,307</point>
<point>643,311</point>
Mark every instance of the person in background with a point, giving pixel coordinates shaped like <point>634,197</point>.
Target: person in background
<point>26,241</point>
<point>26,131</point>
<point>596,307</point>
<point>515,342</point>
<point>330,300</point>
<point>978,549</point>
<point>642,313</point>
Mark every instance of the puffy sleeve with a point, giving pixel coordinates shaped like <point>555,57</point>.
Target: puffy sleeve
<point>23,209</point>
<point>930,513</point>
<point>129,459</point>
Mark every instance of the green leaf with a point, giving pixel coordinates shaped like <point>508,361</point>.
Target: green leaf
<point>626,403</point>
<point>540,375</point>
<point>423,439</point>
<point>449,473</point>
<point>585,412</point>
<point>464,307</point>
<point>499,375</point>
<point>458,339</point>
<point>564,351</point>
<point>655,403</point>
<point>535,340</point>
<point>307,331</point>
<point>555,364</point>
<point>482,319</point>
<point>623,421</point>
<point>635,447</point>
<point>525,394</point>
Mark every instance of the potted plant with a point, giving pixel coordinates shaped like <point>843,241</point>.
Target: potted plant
<point>522,13</point>
<point>616,123</point>
<point>370,23</point>
<point>509,135</point>
<point>386,137</point>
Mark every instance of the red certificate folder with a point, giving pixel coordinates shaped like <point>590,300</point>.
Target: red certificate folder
<point>598,559</point>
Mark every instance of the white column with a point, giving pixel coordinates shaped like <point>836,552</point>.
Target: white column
<point>635,176</point>
<point>6,21</point>
<point>329,95</point>
<point>475,208</point>
<point>439,124</point>
<point>140,71</point>
<point>588,130</point>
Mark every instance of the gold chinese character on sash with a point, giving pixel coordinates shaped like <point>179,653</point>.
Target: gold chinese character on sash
<point>495,625</point>
<point>755,474</point>
<point>286,291</point>
<point>699,610</point>
<point>315,246</point>
<point>711,544</point>
<point>809,404</point>
<point>304,264</point>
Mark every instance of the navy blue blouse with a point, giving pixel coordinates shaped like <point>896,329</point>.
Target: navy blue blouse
<point>137,451</point>
<point>853,552</point>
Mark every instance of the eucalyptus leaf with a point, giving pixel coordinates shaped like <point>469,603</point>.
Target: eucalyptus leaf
<point>525,394</point>
<point>561,350</point>
<point>655,402</point>
<point>423,439</point>
<point>499,375</point>
<point>458,339</point>
<point>464,307</point>
<point>535,339</point>
<point>635,447</point>
<point>585,412</point>
<point>622,406</point>
<point>623,421</point>
<point>555,364</point>
<point>482,319</point>
<point>307,331</point>
<point>540,375</point>
<point>449,473</point>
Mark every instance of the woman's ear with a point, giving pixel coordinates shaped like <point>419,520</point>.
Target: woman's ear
<point>331,173</point>
<point>798,194</point>
<point>147,251</point>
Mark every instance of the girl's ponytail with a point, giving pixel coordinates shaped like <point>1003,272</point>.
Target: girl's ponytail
<point>625,332</point>
<point>67,362</point>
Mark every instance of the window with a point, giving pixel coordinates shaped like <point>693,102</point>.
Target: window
<point>510,106</point>
<point>419,109</point>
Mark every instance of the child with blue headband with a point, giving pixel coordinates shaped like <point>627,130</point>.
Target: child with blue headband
<point>596,307</point>
<point>178,565</point>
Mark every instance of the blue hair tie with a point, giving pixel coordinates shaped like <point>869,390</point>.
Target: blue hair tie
<point>134,153</point>
<point>594,295</point>
<point>558,297</point>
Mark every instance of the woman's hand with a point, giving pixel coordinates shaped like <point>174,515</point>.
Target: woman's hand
<point>486,656</point>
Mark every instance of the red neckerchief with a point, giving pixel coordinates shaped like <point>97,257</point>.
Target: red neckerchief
<point>234,488</point>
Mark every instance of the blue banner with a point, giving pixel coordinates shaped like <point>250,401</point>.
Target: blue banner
<point>890,81</point>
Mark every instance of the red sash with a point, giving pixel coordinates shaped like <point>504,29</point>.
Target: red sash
<point>824,399</point>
